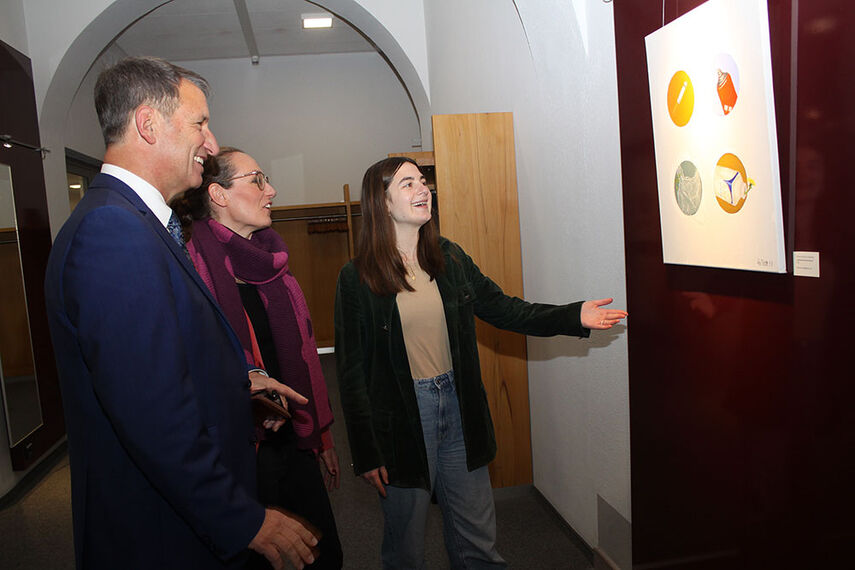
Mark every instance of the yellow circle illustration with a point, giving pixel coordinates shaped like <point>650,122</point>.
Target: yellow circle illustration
<point>681,98</point>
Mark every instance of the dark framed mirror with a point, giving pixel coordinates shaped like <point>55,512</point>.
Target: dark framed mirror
<point>18,378</point>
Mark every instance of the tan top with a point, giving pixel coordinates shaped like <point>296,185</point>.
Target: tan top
<point>423,323</point>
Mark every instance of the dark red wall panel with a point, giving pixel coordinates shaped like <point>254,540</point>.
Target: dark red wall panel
<point>741,387</point>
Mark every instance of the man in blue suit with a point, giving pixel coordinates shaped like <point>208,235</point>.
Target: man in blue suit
<point>154,382</point>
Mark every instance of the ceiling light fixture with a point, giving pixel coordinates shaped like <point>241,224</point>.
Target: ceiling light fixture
<point>315,21</point>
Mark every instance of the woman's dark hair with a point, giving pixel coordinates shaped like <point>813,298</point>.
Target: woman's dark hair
<point>378,262</point>
<point>194,204</point>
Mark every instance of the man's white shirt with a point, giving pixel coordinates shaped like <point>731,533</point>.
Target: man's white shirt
<point>147,193</point>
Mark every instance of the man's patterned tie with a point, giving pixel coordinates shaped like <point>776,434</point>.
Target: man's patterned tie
<point>173,226</point>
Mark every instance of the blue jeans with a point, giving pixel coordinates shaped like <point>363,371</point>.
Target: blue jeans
<point>465,498</point>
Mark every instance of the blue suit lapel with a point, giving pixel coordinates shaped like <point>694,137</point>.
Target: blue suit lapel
<point>116,185</point>
<point>152,220</point>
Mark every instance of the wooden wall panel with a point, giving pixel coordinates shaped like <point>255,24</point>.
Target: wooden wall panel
<point>316,258</point>
<point>477,193</point>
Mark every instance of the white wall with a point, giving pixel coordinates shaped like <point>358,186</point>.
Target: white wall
<point>53,27</point>
<point>553,66</point>
<point>313,122</point>
<point>13,30</point>
<point>82,131</point>
<point>405,20</point>
<point>56,25</point>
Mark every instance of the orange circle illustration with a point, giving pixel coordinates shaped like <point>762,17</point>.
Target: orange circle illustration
<point>681,98</point>
<point>732,184</point>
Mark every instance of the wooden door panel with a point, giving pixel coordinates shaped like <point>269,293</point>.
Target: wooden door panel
<point>477,193</point>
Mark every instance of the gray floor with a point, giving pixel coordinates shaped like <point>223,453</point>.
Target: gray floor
<point>35,530</point>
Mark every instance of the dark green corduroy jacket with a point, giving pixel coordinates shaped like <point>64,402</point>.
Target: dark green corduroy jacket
<point>377,392</point>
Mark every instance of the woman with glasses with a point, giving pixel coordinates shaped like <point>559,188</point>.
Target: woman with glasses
<point>244,263</point>
<point>407,361</point>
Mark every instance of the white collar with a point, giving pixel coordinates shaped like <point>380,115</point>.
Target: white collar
<point>147,193</point>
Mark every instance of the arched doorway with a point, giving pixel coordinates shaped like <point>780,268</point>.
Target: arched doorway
<point>85,49</point>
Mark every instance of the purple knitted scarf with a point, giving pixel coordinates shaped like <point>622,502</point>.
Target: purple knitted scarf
<point>220,256</point>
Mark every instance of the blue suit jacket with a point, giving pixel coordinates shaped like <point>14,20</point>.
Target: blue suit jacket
<point>155,390</point>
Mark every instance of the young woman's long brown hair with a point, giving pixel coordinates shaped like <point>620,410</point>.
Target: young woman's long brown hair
<point>378,262</point>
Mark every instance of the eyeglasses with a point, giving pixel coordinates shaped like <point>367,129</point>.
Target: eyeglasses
<point>260,180</point>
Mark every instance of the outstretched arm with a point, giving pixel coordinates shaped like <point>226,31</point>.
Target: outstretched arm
<point>595,317</point>
<point>492,305</point>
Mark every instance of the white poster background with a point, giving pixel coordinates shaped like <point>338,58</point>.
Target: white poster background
<point>752,238</point>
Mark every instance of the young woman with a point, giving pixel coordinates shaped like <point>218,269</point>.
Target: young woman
<point>244,263</point>
<point>408,370</point>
